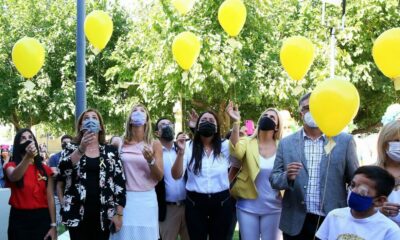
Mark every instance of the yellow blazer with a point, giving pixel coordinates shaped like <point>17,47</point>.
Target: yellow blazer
<point>246,151</point>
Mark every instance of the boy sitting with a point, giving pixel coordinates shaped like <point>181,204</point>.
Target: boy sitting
<point>368,190</point>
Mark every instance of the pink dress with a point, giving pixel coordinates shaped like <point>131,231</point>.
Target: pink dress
<point>141,210</point>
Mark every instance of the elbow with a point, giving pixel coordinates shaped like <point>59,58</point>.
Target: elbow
<point>175,175</point>
<point>160,176</point>
<point>14,178</point>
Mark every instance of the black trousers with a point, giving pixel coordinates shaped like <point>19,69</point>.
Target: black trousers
<point>28,224</point>
<point>89,228</point>
<point>208,216</point>
<point>310,227</point>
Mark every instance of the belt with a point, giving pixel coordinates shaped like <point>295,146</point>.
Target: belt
<point>178,203</point>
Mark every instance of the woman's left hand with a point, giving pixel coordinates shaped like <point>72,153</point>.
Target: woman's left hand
<point>117,220</point>
<point>148,153</point>
<point>52,234</point>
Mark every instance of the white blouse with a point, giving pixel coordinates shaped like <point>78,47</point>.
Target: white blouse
<point>213,177</point>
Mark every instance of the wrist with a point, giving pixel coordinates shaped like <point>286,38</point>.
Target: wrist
<point>237,121</point>
<point>181,152</point>
<point>152,162</point>
<point>80,150</point>
<point>53,224</point>
<point>119,214</point>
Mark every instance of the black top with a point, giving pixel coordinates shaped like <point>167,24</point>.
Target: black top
<point>92,183</point>
<point>111,184</point>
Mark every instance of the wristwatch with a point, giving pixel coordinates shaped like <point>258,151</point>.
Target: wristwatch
<point>152,162</point>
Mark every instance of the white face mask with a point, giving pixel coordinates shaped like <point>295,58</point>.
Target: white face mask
<point>393,151</point>
<point>308,119</point>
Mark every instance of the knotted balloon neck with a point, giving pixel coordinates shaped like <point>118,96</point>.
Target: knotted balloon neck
<point>396,82</point>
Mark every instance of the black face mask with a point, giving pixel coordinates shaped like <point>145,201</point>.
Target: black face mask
<point>64,145</point>
<point>22,147</point>
<point>207,129</point>
<point>266,124</point>
<point>167,133</point>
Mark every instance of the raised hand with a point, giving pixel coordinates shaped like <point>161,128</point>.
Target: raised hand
<point>193,116</point>
<point>87,138</point>
<point>233,111</point>
<point>31,150</point>
<point>148,153</point>
<point>181,142</point>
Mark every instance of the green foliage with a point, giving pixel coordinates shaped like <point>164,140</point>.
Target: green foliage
<point>51,102</point>
<point>138,66</point>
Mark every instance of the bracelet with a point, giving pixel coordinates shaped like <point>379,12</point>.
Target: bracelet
<point>53,224</point>
<point>118,214</point>
<point>237,122</point>
<point>152,162</point>
<point>80,151</point>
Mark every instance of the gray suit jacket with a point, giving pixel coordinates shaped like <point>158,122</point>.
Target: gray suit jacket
<point>343,163</point>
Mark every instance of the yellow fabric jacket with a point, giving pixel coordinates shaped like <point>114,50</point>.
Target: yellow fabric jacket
<point>246,151</point>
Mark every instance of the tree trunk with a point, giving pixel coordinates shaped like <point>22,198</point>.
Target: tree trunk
<point>223,118</point>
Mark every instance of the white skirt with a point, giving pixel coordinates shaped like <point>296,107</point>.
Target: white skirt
<point>140,221</point>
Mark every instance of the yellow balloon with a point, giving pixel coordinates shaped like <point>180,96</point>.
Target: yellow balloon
<point>186,49</point>
<point>232,16</point>
<point>28,56</point>
<point>183,6</point>
<point>98,28</point>
<point>333,104</point>
<point>386,53</point>
<point>297,56</point>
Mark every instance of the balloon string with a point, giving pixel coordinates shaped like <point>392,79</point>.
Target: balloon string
<point>183,102</point>
<point>234,91</point>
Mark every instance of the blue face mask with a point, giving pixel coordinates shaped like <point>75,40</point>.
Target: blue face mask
<point>138,118</point>
<point>358,202</point>
<point>91,125</point>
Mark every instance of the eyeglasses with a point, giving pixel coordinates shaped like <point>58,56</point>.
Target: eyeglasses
<point>363,191</point>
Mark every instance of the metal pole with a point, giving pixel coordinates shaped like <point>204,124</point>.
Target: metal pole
<point>80,97</point>
<point>332,55</point>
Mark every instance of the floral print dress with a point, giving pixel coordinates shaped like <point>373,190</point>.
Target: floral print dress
<point>111,182</point>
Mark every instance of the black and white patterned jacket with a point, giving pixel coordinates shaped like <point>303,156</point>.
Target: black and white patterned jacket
<point>111,183</point>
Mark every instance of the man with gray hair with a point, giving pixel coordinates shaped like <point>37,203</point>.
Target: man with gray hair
<point>314,181</point>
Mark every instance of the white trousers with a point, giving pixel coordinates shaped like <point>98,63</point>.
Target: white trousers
<point>254,226</point>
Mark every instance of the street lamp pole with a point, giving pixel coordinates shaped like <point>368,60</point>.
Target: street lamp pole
<point>80,96</point>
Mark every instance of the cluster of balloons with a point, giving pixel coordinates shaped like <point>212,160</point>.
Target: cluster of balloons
<point>334,103</point>
<point>28,54</point>
<point>186,45</point>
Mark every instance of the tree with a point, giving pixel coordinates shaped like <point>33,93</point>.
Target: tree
<point>247,68</point>
<point>51,101</point>
<point>137,65</point>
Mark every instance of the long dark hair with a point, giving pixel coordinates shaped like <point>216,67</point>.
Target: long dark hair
<point>198,148</point>
<point>18,155</point>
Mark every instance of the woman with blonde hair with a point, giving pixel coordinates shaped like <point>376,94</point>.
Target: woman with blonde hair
<point>143,165</point>
<point>258,206</point>
<point>389,159</point>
